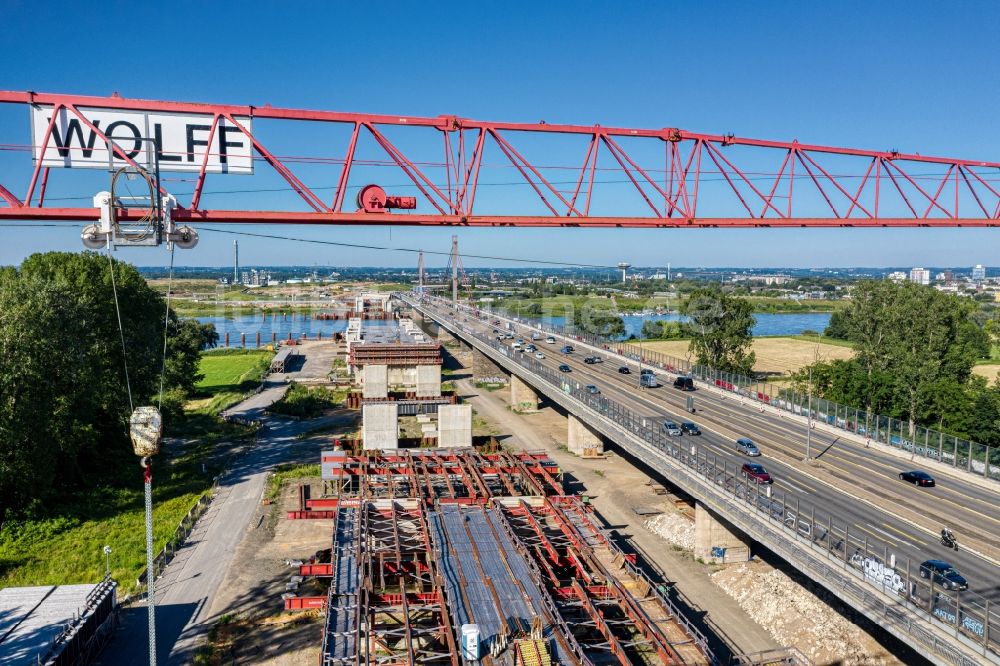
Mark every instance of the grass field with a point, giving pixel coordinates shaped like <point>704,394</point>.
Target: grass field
<point>775,356</point>
<point>231,369</point>
<point>64,545</point>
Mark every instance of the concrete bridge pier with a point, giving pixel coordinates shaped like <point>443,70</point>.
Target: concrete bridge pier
<point>523,398</point>
<point>580,439</point>
<point>445,337</point>
<point>483,367</point>
<point>715,541</point>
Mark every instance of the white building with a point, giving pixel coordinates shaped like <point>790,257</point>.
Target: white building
<point>978,273</point>
<point>897,276</point>
<point>920,275</point>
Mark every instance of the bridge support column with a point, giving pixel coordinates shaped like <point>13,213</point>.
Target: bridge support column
<point>580,439</point>
<point>715,541</point>
<point>454,426</point>
<point>484,369</point>
<point>446,338</point>
<point>380,426</point>
<point>428,381</point>
<point>523,398</point>
<point>375,381</point>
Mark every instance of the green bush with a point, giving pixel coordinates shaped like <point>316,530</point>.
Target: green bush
<point>303,402</point>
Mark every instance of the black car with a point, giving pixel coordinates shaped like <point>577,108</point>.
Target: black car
<point>623,370</point>
<point>565,368</point>
<point>917,478</point>
<point>690,428</point>
<point>589,360</point>
<point>944,575</point>
<point>684,383</point>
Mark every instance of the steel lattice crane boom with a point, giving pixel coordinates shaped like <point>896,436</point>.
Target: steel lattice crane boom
<point>665,177</point>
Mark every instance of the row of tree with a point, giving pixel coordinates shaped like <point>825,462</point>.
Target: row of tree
<point>915,348</point>
<point>64,400</point>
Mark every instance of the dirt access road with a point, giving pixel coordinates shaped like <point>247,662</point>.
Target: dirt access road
<point>186,591</point>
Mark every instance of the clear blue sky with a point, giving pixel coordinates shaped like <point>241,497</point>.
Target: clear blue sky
<point>915,76</point>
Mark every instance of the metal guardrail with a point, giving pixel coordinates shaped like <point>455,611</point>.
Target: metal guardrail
<point>951,629</point>
<point>174,543</point>
<point>788,656</point>
<point>963,455</point>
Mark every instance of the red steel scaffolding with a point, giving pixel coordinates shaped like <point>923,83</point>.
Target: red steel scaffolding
<point>427,540</point>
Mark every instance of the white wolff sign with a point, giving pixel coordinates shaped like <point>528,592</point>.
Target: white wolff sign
<point>181,139</point>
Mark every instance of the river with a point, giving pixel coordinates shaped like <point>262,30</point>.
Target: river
<point>789,323</point>
<point>280,326</point>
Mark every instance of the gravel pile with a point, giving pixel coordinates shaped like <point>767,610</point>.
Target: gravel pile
<point>673,528</point>
<point>795,616</point>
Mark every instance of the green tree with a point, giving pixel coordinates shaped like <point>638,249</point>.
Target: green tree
<point>652,329</point>
<point>64,401</point>
<point>915,349</point>
<point>46,398</point>
<point>721,325</point>
<point>837,327</point>
<point>596,317</point>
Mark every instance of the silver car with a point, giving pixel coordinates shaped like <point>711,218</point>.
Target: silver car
<point>746,446</point>
<point>672,429</point>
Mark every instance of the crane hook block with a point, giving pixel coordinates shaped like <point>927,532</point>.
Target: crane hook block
<point>146,431</point>
<point>373,199</point>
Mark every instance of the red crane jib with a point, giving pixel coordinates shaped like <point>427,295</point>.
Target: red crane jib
<point>614,177</point>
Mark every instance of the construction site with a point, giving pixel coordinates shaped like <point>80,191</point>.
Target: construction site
<point>449,556</point>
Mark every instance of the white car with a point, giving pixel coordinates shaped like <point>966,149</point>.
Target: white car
<point>550,340</point>
<point>539,355</point>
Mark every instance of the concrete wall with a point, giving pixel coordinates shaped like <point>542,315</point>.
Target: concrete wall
<point>380,427</point>
<point>580,439</point>
<point>523,398</point>
<point>454,425</point>
<point>428,381</point>
<point>375,383</point>
<point>402,375</point>
<point>715,541</point>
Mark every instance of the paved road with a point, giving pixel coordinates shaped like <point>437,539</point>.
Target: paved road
<point>188,585</point>
<point>861,486</point>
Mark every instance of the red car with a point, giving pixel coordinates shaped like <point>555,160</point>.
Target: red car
<point>756,472</point>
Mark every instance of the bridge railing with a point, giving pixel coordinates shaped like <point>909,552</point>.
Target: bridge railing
<point>962,454</point>
<point>840,555</point>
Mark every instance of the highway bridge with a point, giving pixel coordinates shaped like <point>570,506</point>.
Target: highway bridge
<point>846,521</point>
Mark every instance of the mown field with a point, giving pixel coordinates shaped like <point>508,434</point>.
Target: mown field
<point>64,543</point>
<point>775,356</point>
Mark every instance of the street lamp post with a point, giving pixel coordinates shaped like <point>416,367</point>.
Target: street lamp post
<point>107,560</point>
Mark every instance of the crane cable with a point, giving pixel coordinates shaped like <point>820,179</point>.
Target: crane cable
<point>166,324</point>
<point>121,331</point>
